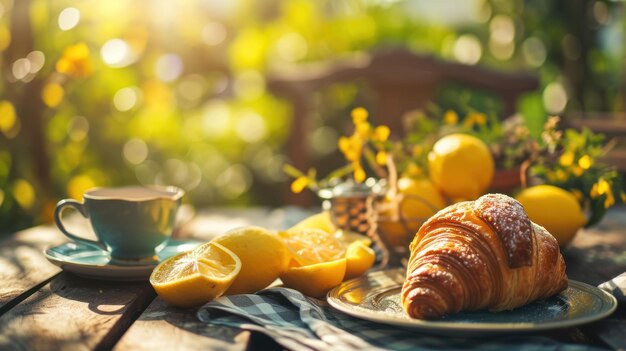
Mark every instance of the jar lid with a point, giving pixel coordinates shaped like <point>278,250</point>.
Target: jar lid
<point>350,188</point>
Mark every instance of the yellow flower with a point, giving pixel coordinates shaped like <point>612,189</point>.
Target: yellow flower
<point>475,118</point>
<point>450,118</point>
<point>567,158</point>
<point>417,150</point>
<point>363,129</point>
<point>351,147</point>
<point>359,115</point>
<point>359,173</point>
<point>75,61</point>
<point>413,170</point>
<point>578,171</point>
<point>381,133</point>
<point>299,184</point>
<point>585,162</point>
<point>381,158</point>
<point>603,187</point>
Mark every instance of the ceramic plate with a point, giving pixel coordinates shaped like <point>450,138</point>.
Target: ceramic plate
<point>96,264</point>
<point>376,297</point>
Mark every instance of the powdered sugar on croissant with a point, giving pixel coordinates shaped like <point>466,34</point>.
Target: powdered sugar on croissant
<point>483,254</point>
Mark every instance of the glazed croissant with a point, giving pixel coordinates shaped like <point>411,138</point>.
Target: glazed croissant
<point>483,254</point>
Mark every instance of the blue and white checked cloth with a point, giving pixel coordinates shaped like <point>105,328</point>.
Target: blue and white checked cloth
<point>300,323</point>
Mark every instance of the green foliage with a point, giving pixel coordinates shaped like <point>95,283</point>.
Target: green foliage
<point>184,99</point>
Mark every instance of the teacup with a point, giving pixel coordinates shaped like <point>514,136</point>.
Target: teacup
<point>131,223</point>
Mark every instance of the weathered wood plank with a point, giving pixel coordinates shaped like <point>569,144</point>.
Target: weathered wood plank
<point>22,264</point>
<point>73,313</point>
<point>163,327</point>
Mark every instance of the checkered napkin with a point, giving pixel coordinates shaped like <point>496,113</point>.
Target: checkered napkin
<point>299,323</point>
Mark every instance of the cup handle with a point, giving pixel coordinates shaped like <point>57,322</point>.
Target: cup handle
<point>61,205</point>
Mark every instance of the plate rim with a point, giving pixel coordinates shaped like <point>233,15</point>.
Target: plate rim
<point>438,326</point>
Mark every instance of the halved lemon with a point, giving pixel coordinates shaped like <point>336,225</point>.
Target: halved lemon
<point>315,279</point>
<point>359,258</point>
<point>309,246</point>
<point>195,277</point>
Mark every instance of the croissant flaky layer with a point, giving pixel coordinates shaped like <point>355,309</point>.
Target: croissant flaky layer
<point>483,254</point>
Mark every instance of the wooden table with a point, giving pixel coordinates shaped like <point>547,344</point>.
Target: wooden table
<point>43,308</point>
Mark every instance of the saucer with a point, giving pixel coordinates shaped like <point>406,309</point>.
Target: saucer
<point>92,263</point>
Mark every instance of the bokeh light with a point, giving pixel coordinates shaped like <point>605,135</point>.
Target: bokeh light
<point>68,18</point>
<point>234,181</point>
<point>467,49</point>
<point>251,127</point>
<point>534,51</point>
<point>126,99</point>
<point>554,98</point>
<point>135,151</point>
<point>169,67</point>
<point>117,53</point>
<point>24,193</point>
<point>214,33</point>
<point>78,185</point>
<point>52,94</point>
<point>78,128</point>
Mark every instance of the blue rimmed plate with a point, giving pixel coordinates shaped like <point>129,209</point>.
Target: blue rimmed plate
<point>376,297</point>
<point>96,264</point>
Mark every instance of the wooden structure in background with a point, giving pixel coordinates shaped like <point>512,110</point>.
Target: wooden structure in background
<point>401,81</point>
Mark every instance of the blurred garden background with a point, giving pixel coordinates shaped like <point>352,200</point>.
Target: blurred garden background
<point>97,93</point>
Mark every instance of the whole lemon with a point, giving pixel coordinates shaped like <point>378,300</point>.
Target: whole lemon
<point>263,257</point>
<point>420,200</point>
<point>461,166</point>
<point>553,208</point>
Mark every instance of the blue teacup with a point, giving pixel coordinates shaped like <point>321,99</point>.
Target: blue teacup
<point>131,223</point>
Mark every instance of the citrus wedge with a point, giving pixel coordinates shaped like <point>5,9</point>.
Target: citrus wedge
<point>195,277</point>
<point>315,280</point>
<point>309,246</point>
<point>359,258</point>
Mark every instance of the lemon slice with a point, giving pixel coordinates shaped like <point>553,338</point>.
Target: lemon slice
<point>197,276</point>
<point>310,246</point>
<point>359,258</point>
<point>316,279</point>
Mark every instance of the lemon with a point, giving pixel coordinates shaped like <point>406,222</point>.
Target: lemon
<point>316,279</point>
<point>197,276</point>
<point>553,208</point>
<point>420,200</point>
<point>321,221</point>
<point>461,166</point>
<point>309,246</point>
<point>263,257</point>
<point>359,258</point>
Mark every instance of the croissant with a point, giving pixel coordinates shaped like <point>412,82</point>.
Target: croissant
<point>483,254</point>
